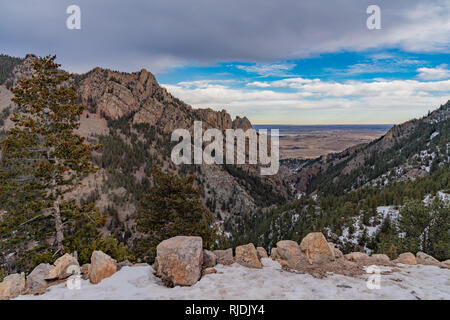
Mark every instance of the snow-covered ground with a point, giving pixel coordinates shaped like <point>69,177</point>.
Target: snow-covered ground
<point>271,282</point>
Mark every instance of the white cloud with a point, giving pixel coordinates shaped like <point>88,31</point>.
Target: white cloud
<point>317,101</point>
<point>440,72</point>
<point>271,69</point>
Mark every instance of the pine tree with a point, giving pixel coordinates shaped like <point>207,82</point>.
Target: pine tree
<point>44,159</point>
<point>172,207</point>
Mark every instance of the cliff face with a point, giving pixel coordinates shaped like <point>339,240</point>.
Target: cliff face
<point>133,117</point>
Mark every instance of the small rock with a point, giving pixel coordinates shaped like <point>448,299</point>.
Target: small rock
<point>262,253</point>
<point>224,257</point>
<point>423,258</point>
<point>247,256</point>
<point>35,282</point>
<point>12,286</point>
<point>209,259</point>
<point>407,258</point>
<point>179,260</point>
<point>316,248</point>
<point>208,271</point>
<point>102,267</point>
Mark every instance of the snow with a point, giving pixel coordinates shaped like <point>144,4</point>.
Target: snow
<point>270,282</point>
<point>434,134</point>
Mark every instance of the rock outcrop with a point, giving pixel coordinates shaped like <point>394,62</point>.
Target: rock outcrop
<point>102,266</point>
<point>179,260</point>
<point>356,256</point>
<point>247,256</point>
<point>290,252</point>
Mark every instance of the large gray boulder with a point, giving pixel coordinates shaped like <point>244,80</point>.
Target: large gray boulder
<point>179,260</point>
<point>36,283</point>
<point>224,257</point>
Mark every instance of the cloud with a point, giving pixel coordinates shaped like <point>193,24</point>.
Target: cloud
<point>318,101</point>
<point>158,34</point>
<point>440,72</point>
<point>265,70</point>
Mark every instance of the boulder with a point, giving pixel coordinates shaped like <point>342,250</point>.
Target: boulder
<point>423,258</point>
<point>316,248</point>
<point>286,249</point>
<point>102,266</point>
<point>380,257</point>
<point>407,258</point>
<point>85,271</point>
<point>290,252</point>
<point>12,286</point>
<point>356,256</point>
<point>60,269</point>
<point>337,253</point>
<point>224,257</point>
<point>36,283</point>
<point>262,253</point>
<point>208,271</point>
<point>179,260</point>
<point>209,259</point>
<point>247,256</point>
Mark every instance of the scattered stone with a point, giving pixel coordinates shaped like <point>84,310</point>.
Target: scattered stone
<point>102,267</point>
<point>423,258</point>
<point>356,256</point>
<point>247,256</point>
<point>208,271</point>
<point>62,269</point>
<point>407,258</point>
<point>35,282</point>
<point>262,253</point>
<point>12,286</point>
<point>224,257</point>
<point>316,248</point>
<point>209,259</point>
<point>179,260</point>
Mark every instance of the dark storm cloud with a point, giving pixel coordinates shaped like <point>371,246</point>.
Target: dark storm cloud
<point>127,35</point>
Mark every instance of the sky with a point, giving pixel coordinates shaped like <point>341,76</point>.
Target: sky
<point>274,61</point>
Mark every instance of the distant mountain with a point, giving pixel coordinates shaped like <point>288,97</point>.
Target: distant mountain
<point>407,151</point>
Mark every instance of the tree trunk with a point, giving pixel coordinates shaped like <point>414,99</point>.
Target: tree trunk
<point>58,227</point>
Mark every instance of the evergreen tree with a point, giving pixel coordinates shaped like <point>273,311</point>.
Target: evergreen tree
<point>173,207</point>
<point>43,159</point>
